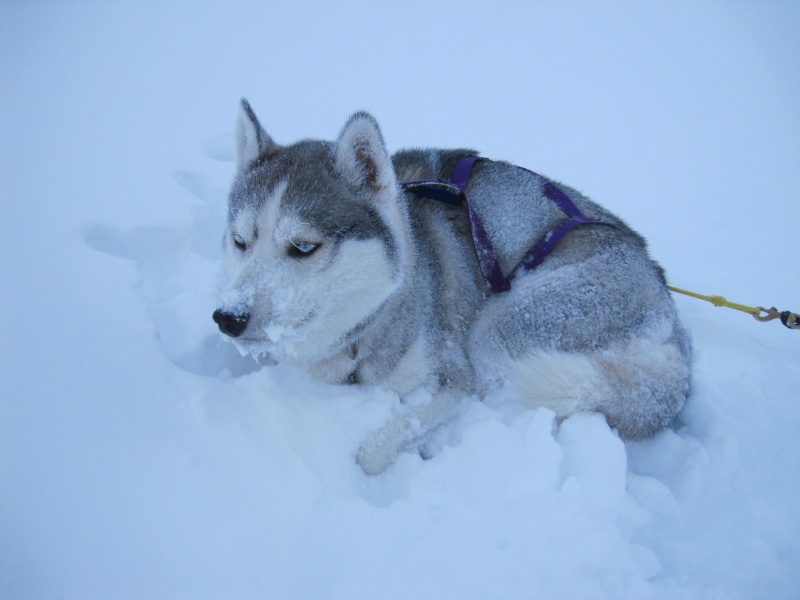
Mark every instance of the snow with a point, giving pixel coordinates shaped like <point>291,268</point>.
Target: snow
<point>142,457</point>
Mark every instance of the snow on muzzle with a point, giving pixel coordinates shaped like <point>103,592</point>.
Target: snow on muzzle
<point>233,314</point>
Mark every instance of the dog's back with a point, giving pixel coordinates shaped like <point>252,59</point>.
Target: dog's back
<point>592,327</point>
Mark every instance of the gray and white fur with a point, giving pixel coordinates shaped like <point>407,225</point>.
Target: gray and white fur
<point>336,270</point>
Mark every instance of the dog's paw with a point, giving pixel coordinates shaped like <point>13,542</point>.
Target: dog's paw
<point>381,449</point>
<point>372,462</point>
<point>409,430</point>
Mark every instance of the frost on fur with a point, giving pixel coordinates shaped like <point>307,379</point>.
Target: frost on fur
<point>632,386</point>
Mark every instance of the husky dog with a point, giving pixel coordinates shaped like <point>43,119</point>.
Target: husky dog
<point>339,270</point>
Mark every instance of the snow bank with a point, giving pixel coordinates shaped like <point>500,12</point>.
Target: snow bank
<point>142,457</point>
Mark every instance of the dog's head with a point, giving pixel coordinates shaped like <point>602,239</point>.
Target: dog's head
<point>317,240</point>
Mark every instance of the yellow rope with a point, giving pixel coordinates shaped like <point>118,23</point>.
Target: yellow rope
<point>789,319</point>
<point>719,301</point>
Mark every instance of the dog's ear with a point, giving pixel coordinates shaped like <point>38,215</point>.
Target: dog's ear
<point>362,158</point>
<point>251,139</point>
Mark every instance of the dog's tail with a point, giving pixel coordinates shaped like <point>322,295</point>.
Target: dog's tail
<point>639,387</point>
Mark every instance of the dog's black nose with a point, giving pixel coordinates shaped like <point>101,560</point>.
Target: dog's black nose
<point>230,323</point>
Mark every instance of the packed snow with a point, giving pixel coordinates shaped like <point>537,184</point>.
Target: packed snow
<point>141,456</point>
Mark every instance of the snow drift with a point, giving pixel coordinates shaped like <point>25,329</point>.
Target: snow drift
<point>142,457</point>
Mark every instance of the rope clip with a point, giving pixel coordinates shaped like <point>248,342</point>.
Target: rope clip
<point>789,319</point>
<point>772,313</point>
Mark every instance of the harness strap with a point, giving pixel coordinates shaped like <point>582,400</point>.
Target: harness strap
<point>454,192</point>
<point>547,243</point>
<point>487,256</point>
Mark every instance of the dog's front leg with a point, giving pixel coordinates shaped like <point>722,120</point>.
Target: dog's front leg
<point>407,429</point>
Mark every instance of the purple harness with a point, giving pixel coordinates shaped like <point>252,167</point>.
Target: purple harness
<point>454,192</point>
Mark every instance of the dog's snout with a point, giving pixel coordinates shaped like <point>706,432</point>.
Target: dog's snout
<point>231,324</point>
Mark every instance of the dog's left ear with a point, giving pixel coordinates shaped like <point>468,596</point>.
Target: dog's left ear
<point>251,139</point>
<point>362,158</point>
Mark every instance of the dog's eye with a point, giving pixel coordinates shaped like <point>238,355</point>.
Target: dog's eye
<point>239,242</point>
<point>301,249</point>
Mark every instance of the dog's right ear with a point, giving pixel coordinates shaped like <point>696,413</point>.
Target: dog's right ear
<point>361,157</point>
<point>251,139</point>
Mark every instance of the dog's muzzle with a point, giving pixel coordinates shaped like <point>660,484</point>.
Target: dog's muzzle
<point>231,324</point>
